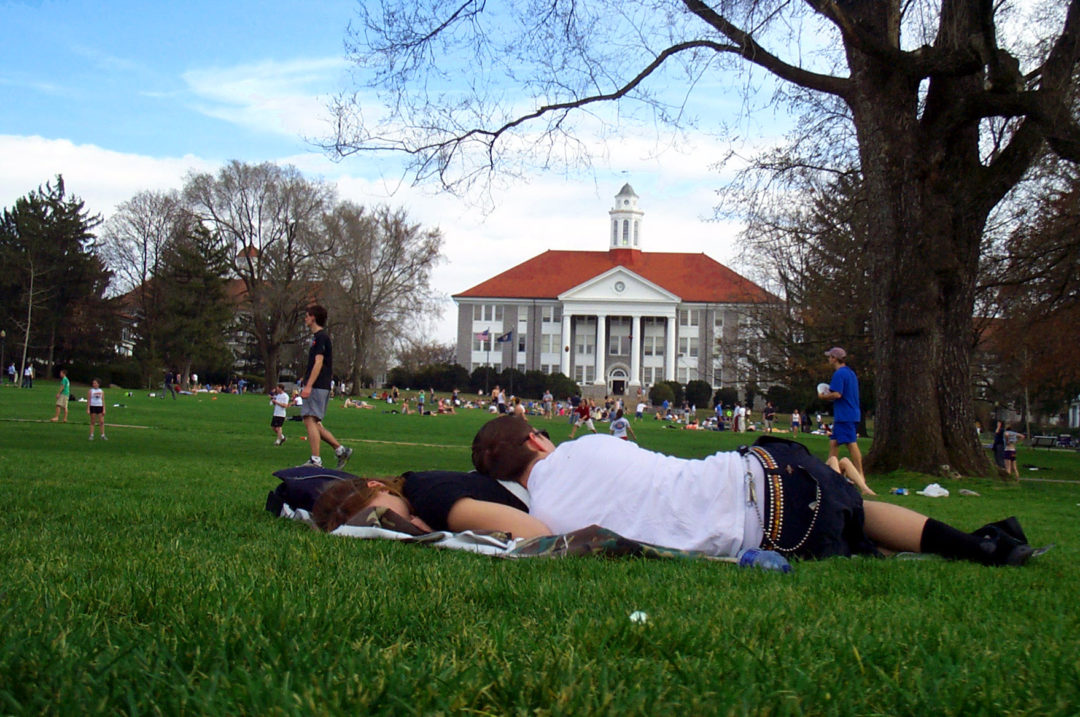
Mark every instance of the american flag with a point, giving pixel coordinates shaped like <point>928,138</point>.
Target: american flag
<point>483,335</point>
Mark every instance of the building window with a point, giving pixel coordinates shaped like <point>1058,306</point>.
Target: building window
<point>549,314</point>
<point>619,345</point>
<point>689,317</point>
<point>521,341</point>
<point>637,231</point>
<point>652,345</point>
<point>584,373</point>
<point>584,343</point>
<point>614,231</point>
<point>521,367</point>
<point>625,232</point>
<point>685,374</point>
<point>688,346</point>
<point>487,312</point>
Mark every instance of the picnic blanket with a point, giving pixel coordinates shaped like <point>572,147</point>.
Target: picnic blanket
<point>384,524</point>
<point>300,488</point>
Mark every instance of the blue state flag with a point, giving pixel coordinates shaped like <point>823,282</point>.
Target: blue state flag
<point>508,336</point>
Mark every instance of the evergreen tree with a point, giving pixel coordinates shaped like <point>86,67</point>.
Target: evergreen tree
<point>53,285</point>
<point>196,315</point>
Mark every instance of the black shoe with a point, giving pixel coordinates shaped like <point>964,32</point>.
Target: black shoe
<point>1000,548</point>
<point>1010,526</point>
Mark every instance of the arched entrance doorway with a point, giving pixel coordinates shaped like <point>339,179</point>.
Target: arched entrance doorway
<point>617,380</point>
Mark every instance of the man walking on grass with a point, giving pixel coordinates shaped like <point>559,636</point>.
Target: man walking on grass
<point>316,391</point>
<point>844,391</point>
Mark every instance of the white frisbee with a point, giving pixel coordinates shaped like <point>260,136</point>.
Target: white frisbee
<point>822,388</point>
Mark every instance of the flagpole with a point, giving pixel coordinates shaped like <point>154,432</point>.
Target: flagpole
<point>487,373</point>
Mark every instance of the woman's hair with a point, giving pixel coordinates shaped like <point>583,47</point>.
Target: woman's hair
<point>499,449</point>
<point>343,499</point>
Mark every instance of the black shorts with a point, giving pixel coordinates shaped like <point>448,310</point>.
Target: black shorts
<point>818,514</point>
<point>277,421</point>
<point>97,409</point>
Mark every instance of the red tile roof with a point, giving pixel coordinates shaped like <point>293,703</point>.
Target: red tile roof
<point>695,278</point>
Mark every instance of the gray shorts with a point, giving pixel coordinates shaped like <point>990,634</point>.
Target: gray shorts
<point>315,404</point>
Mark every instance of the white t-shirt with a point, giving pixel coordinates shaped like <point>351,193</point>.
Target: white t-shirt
<point>281,402</point>
<point>97,397</point>
<point>675,502</point>
<point>618,427</point>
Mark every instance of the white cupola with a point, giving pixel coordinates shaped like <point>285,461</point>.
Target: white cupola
<point>626,220</point>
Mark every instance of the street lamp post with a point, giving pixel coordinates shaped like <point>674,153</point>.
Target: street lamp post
<point>3,344</point>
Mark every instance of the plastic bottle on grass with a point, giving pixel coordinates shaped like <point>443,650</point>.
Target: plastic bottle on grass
<point>764,559</point>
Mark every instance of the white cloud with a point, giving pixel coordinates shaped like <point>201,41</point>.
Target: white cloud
<point>101,177</point>
<point>270,96</point>
<point>547,211</point>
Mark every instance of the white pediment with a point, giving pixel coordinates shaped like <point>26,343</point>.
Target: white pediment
<point>619,284</point>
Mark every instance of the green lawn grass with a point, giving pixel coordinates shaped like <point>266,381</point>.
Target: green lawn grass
<point>142,575</point>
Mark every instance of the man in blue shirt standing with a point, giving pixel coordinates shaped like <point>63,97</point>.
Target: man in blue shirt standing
<point>844,391</point>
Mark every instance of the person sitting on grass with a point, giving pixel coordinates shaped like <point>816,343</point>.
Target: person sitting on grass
<point>775,496</point>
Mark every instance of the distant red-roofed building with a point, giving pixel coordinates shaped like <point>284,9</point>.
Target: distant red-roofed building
<point>655,316</point>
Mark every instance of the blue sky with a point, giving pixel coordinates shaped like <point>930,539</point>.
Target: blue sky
<point>123,96</point>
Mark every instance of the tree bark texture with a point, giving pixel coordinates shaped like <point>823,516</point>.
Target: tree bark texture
<point>928,216</point>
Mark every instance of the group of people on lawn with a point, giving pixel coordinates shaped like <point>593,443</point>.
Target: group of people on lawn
<point>774,495</point>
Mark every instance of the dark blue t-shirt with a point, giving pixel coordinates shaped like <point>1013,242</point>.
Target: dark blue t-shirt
<point>320,344</point>
<point>845,408</point>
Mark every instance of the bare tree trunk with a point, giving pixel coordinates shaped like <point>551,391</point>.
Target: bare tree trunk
<point>50,361</point>
<point>29,318</point>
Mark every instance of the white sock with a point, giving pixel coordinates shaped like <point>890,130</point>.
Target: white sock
<point>316,459</point>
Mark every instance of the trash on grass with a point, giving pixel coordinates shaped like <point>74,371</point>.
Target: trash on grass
<point>934,490</point>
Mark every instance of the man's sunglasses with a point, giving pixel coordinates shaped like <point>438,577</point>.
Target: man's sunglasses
<point>535,432</point>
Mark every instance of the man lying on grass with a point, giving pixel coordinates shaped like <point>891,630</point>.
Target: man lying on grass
<point>774,495</point>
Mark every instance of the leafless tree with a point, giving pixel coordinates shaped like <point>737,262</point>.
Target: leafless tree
<point>271,217</point>
<point>378,283</point>
<point>133,243</point>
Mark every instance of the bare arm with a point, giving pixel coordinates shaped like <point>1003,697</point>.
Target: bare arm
<point>472,514</point>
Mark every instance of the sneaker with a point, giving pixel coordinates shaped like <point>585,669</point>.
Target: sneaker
<point>91,436</point>
<point>104,437</point>
<point>343,456</point>
<point>277,441</point>
<point>313,462</point>
<point>282,440</point>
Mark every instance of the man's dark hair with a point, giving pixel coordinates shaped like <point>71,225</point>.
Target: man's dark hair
<point>499,449</point>
<point>318,313</point>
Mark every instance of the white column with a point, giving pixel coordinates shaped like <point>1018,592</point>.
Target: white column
<point>601,350</point>
<point>635,350</point>
<point>669,352</point>
<point>564,354</point>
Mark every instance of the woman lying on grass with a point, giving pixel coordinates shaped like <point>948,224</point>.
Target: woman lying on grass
<point>775,495</point>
